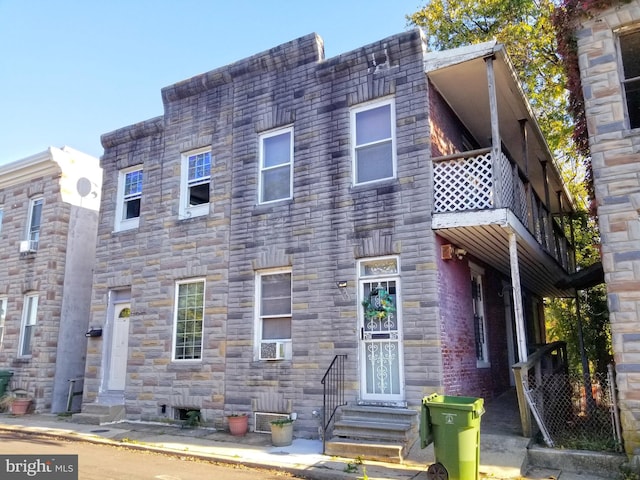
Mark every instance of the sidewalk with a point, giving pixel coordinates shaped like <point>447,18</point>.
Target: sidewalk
<point>501,456</point>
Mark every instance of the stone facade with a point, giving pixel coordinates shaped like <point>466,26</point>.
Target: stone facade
<point>615,153</point>
<point>58,271</point>
<point>319,235</point>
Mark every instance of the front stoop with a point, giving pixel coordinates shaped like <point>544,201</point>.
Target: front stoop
<point>97,414</point>
<point>373,433</point>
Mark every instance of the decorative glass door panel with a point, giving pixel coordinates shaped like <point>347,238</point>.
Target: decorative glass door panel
<point>380,339</point>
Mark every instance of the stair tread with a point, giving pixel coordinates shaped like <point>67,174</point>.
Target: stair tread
<point>370,443</point>
<point>376,425</point>
<point>380,410</point>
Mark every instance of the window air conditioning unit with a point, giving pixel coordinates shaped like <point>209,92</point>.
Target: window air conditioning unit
<point>272,351</point>
<point>28,246</point>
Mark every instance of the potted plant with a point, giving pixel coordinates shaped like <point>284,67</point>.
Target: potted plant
<point>238,424</point>
<point>18,402</point>
<point>282,432</point>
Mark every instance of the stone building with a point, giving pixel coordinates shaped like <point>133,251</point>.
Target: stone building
<point>287,210</point>
<point>48,223</point>
<point>609,62</point>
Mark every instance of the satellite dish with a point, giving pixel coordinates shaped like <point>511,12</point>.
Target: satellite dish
<point>83,186</point>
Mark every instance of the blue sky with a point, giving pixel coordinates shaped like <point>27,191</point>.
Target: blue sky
<point>71,70</point>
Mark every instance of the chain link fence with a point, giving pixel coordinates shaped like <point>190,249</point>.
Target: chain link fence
<point>575,411</point>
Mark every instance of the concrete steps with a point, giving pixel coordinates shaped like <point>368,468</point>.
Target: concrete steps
<point>97,414</point>
<point>373,433</point>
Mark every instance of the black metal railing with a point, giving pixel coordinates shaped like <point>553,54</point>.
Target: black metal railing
<point>333,393</point>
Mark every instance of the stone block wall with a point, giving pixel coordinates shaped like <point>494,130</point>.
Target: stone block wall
<point>615,152</point>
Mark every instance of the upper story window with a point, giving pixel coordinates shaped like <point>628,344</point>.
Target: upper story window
<point>189,313</point>
<point>373,140</point>
<point>195,184</point>
<point>129,197</point>
<point>29,314</point>
<point>276,165</point>
<point>1,215</point>
<point>33,226</point>
<point>629,48</point>
<point>273,298</point>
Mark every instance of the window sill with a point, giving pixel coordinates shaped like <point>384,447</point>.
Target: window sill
<point>483,364</point>
<point>387,182</point>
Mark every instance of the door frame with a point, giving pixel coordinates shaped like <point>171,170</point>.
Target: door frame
<point>118,300</point>
<point>398,399</point>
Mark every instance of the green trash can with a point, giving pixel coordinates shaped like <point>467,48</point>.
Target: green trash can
<point>5,377</point>
<point>453,425</point>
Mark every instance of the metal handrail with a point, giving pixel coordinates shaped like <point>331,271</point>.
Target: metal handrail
<point>333,393</point>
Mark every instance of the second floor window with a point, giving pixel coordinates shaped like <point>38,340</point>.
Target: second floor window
<point>35,218</point>
<point>29,314</point>
<point>276,165</point>
<point>129,199</point>
<point>373,132</point>
<point>196,180</point>
<point>629,48</point>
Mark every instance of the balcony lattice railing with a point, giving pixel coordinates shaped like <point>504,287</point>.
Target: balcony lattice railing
<point>465,182</point>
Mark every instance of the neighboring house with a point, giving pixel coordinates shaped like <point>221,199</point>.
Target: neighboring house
<point>609,61</point>
<point>49,215</point>
<point>241,231</point>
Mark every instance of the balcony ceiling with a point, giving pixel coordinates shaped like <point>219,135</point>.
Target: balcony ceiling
<point>460,76</point>
<point>485,235</point>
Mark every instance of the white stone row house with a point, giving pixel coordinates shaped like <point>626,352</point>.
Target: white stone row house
<point>48,223</point>
<point>241,231</point>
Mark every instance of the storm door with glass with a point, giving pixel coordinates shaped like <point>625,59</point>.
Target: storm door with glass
<point>380,332</point>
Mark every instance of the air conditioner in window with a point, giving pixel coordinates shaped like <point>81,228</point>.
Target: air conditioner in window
<point>272,350</point>
<point>28,246</point>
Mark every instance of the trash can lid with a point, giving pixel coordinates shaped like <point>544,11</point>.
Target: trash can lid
<point>451,401</point>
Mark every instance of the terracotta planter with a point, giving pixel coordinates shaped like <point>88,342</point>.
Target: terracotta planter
<point>238,425</point>
<point>282,434</point>
<point>20,406</point>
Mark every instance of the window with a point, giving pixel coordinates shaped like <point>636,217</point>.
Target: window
<point>35,217</point>
<point>129,196</point>
<point>479,324</point>
<point>629,48</point>
<point>29,313</point>
<point>274,315</point>
<point>3,317</point>
<point>195,188</point>
<point>189,312</point>
<point>373,129</point>
<point>1,215</point>
<point>276,162</point>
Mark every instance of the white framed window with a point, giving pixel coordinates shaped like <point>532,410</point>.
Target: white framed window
<point>3,318</point>
<point>373,142</point>
<point>273,314</point>
<point>188,320</point>
<point>276,165</point>
<point>629,48</point>
<point>129,198</point>
<point>195,185</point>
<point>33,224</point>
<point>479,322</point>
<point>29,315</point>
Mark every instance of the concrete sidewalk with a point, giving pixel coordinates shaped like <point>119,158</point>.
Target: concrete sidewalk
<point>501,456</point>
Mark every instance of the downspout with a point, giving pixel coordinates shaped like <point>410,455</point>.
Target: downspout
<point>518,311</point>
<point>495,134</point>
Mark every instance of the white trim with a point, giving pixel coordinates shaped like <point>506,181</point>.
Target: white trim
<point>33,236</point>
<point>187,211</point>
<point>477,274</point>
<point>3,318</point>
<point>262,169</point>
<point>354,147</point>
<point>120,222</point>
<point>175,320</point>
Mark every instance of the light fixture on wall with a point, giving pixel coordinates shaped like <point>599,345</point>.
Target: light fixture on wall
<point>449,251</point>
<point>341,284</point>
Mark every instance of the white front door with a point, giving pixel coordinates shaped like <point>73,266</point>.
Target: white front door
<point>119,347</point>
<point>381,355</point>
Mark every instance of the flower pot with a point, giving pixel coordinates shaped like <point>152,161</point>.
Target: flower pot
<point>282,434</point>
<point>20,406</point>
<point>238,425</point>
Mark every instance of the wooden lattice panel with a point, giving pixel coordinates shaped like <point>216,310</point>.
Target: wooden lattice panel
<point>463,184</point>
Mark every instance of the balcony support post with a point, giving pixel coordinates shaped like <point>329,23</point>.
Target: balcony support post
<point>521,335</point>
<point>495,134</point>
